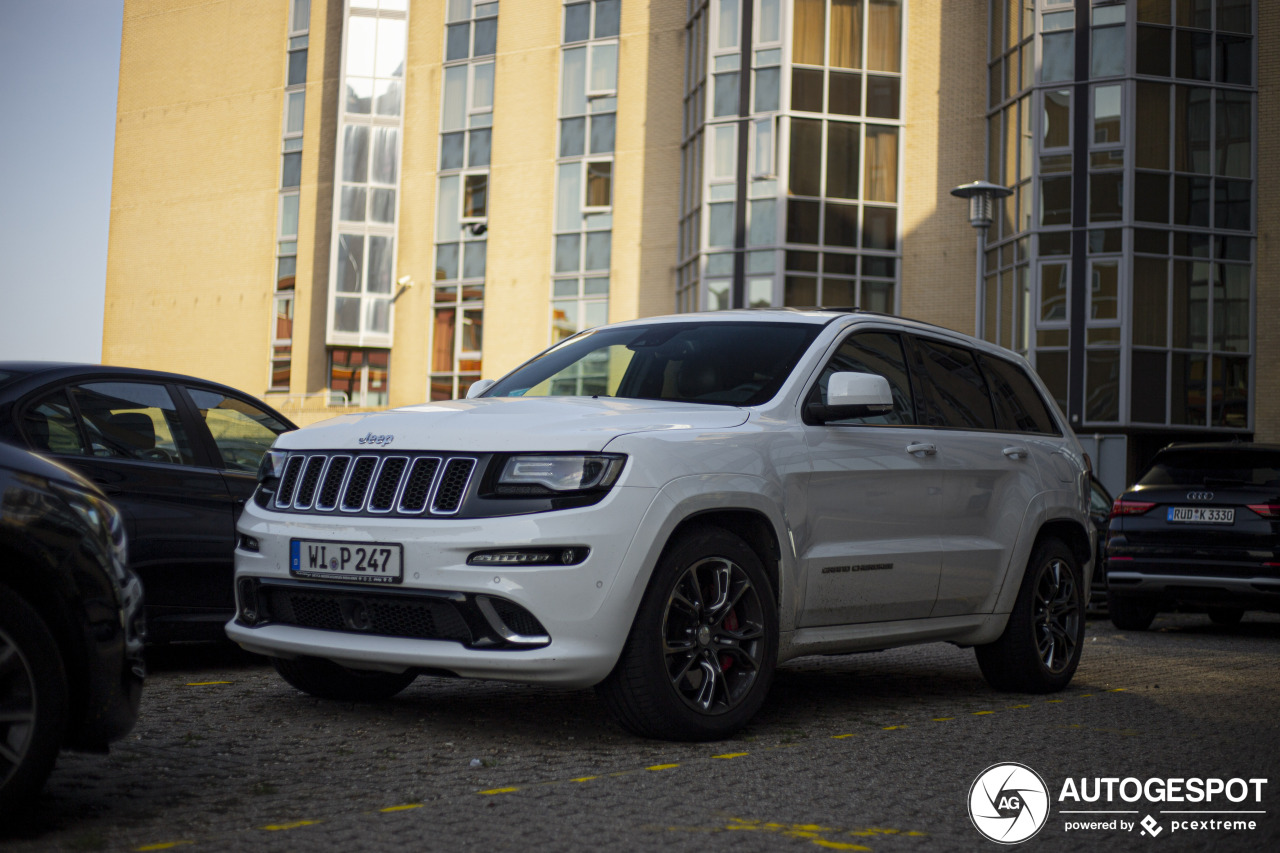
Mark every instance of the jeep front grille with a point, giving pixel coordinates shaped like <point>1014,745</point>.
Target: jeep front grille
<point>404,484</point>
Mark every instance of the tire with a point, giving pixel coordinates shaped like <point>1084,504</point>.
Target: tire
<point>327,680</point>
<point>702,650</point>
<point>1131,614</point>
<point>1040,647</point>
<point>1226,615</point>
<point>33,694</point>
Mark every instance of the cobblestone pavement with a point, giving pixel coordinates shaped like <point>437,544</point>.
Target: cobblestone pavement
<point>865,752</point>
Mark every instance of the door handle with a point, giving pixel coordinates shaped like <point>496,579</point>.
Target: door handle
<point>1015,452</point>
<point>922,448</point>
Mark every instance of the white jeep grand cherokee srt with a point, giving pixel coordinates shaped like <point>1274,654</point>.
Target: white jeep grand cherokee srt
<point>667,508</point>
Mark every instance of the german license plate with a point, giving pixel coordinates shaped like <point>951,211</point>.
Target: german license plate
<point>1201,515</point>
<point>364,562</point>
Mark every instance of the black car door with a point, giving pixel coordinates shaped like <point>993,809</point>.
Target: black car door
<point>137,447</point>
<point>239,432</point>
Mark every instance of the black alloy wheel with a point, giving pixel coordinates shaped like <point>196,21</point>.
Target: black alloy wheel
<point>700,657</point>
<point>713,635</point>
<point>1041,644</point>
<point>1057,615</point>
<point>33,702</point>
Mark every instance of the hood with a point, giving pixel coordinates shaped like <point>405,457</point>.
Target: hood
<point>503,424</point>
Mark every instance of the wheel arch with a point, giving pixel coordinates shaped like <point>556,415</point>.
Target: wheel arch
<point>749,525</point>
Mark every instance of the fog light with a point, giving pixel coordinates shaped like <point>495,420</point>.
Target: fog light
<point>248,543</point>
<point>247,594</point>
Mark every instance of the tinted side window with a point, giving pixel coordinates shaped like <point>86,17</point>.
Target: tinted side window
<point>872,352</point>
<point>1019,406</point>
<point>133,420</point>
<point>242,431</point>
<point>50,425</point>
<point>953,392</point>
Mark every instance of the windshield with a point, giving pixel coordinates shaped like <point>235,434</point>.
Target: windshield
<point>725,363</point>
<point>1203,467</point>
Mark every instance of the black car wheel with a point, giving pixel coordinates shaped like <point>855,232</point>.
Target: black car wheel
<point>702,650</point>
<point>1040,647</point>
<point>327,680</point>
<point>1131,614</point>
<point>33,701</point>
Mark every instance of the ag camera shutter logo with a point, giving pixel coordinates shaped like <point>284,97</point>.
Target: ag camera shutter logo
<point>1008,803</point>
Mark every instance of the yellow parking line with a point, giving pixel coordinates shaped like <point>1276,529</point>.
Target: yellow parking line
<point>943,719</point>
<point>163,845</point>
<point>584,778</point>
<point>206,683</point>
<point>982,713</point>
<point>403,808</point>
<point>841,737</point>
<point>662,767</point>
<point>279,827</point>
<point>894,728</point>
<point>498,791</point>
<point>731,755</point>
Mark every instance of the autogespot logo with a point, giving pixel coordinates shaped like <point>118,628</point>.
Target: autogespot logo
<point>1009,803</point>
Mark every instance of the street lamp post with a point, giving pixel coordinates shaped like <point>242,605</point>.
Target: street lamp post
<point>981,196</point>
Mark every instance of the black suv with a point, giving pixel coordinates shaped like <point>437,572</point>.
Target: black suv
<point>178,456</point>
<point>71,665</point>
<point>1199,532</point>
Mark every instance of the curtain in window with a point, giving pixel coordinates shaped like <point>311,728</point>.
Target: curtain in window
<point>846,33</point>
<point>442,340</point>
<point>807,39</point>
<point>880,182</point>
<point>884,35</point>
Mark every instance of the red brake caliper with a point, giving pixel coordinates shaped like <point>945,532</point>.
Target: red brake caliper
<point>730,624</point>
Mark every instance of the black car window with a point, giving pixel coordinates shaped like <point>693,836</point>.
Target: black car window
<point>718,362</point>
<point>1214,467</point>
<point>133,420</point>
<point>241,430</point>
<point>952,390</point>
<point>1019,406</point>
<point>50,425</point>
<point>871,352</point>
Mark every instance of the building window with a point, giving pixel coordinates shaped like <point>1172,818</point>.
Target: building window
<point>359,377</point>
<point>462,198</point>
<point>363,248</point>
<point>583,219</point>
<point>1161,273</point>
<point>281,359</point>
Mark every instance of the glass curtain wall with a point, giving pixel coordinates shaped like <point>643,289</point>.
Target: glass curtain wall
<point>793,139</point>
<point>295,96</point>
<point>1143,156</point>
<point>462,199</point>
<point>367,185</point>
<point>583,226</point>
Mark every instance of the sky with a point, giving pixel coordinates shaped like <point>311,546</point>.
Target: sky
<point>59,69</point>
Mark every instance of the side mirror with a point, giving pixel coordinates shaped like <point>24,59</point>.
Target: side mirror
<point>479,387</point>
<point>852,395</point>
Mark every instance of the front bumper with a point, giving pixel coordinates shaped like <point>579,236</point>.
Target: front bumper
<point>585,609</point>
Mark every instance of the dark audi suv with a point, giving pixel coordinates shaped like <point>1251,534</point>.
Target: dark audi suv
<point>71,666</point>
<point>178,456</point>
<point>1198,532</point>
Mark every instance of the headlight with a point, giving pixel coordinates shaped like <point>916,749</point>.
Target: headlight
<point>272,465</point>
<point>538,474</point>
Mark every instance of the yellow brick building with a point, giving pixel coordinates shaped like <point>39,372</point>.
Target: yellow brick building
<point>348,204</point>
